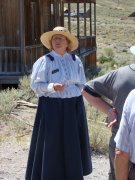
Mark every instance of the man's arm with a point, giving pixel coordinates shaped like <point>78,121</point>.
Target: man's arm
<point>103,106</point>
<point>121,165</point>
<point>97,102</point>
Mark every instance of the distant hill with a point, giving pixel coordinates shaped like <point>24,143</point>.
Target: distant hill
<point>115,29</point>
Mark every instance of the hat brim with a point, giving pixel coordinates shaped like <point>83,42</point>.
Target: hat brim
<point>47,37</point>
<point>132,49</point>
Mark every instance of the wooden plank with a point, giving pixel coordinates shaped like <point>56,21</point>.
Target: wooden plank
<point>9,23</point>
<point>5,60</point>
<point>80,1</point>
<point>22,34</point>
<point>46,16</point>
<point>1,59</point>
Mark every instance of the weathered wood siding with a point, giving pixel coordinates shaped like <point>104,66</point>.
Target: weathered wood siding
<point>32,22</point>
<point>9,22</point>
<point>45,13</point>
<point>9,37</point>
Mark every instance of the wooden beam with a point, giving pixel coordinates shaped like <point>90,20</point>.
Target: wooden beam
<point>80,1</point>
<point>22,36</point>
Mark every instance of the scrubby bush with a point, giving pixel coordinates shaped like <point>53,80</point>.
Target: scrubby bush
<point>107,56</point>
<point>8,100</point>
<point>92,71</point>
<point>102,59</point>
<point>28,94</point>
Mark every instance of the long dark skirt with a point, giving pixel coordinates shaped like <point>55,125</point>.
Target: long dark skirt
<point>60,143</point>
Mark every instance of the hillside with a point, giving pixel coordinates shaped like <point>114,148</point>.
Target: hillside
<point>115,29</point>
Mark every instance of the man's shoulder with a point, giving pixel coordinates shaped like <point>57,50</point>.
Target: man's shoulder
<point>130,67</point>
<point>132,93</point>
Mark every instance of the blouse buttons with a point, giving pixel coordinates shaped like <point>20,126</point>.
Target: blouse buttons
<point>65,68</point>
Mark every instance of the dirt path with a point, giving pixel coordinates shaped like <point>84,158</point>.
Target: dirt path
<point>13,158</point>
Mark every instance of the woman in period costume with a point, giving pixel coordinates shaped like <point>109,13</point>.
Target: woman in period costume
<point>60,147</point>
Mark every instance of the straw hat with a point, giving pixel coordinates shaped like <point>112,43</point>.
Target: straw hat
<point>132,49</point>
<point>47,37</point>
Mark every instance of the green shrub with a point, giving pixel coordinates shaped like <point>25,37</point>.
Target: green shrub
<point>8,100</point>
<point>28,94</point>
<point>103,59</point>
<point>92,71</point>
<point>9,97</point>
<point>107,56</point>
<point>109,53</point>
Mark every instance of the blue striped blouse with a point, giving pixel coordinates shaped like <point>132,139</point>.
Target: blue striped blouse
<point>62,69</point>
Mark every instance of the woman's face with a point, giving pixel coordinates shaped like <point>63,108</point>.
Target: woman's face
<point>59,43</point>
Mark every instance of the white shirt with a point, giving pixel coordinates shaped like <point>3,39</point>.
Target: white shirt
<point>64,70</point>
<point>125,137</point>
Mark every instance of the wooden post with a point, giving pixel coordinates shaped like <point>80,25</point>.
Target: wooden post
<point>22,37</point>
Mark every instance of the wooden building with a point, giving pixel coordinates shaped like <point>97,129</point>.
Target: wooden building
<point>22,23</point>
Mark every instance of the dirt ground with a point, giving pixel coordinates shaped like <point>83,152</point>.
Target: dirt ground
<point>14,152</point>
<point>13,158</point>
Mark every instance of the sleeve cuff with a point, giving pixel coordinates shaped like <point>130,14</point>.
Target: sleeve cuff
<point>90,91</point>
<point>50,88</point>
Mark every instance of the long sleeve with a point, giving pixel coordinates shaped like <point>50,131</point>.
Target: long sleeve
<point>39,77</point>
<point>81,74</point>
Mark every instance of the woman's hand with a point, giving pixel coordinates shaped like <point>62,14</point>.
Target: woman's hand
<point>58,87</point>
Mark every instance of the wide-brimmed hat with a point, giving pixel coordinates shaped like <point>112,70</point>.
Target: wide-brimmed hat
<point>47,37</point>
<point>132,49</point>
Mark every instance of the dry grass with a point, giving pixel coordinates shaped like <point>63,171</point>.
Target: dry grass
<point>99,133</point>
<point>112,31</point>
